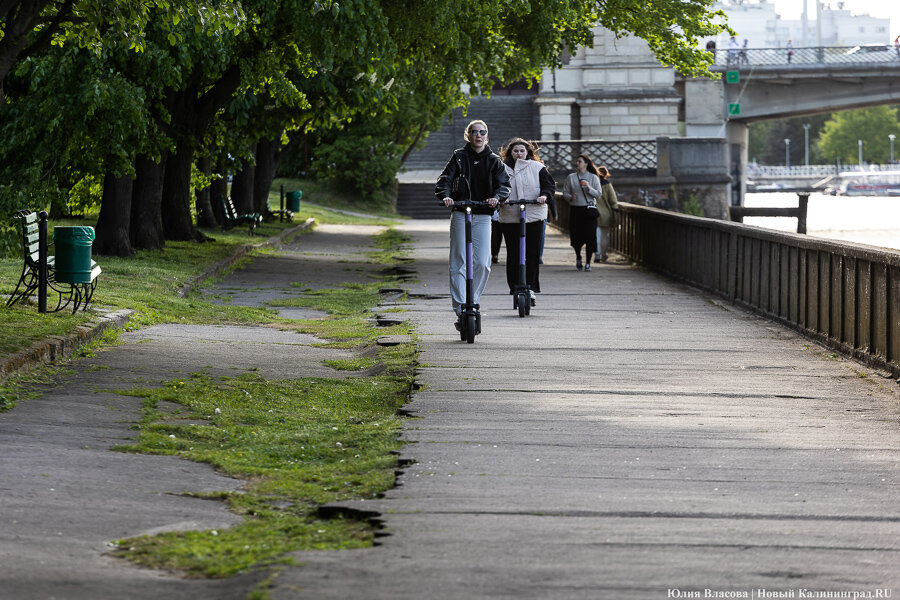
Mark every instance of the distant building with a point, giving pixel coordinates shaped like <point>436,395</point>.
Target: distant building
<point>757,22</point>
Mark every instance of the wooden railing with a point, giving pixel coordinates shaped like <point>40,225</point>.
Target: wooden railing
<point>845,295</point>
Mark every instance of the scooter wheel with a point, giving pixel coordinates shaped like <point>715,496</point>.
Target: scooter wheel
<point>522,301</point>
<point>470,329</point>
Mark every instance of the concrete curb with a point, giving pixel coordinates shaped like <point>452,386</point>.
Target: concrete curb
<point>54,348</point>
<point>242,251</point>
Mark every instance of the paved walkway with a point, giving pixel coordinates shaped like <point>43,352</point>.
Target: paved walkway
<point>630,439</point>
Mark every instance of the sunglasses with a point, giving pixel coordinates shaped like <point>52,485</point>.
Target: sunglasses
<point>478,132</point>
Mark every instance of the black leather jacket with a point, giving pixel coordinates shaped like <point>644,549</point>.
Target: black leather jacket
<point>457,174</point>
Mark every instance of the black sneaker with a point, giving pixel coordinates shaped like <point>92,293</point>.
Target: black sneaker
<point>578,264</point>
<point>587,266</point>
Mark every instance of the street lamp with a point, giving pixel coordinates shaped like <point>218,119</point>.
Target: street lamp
<point>891,137</point>
<point>860,152</point>
<point>806,144</point>
<point>787,152</point>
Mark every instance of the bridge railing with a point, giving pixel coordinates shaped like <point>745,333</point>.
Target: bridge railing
<point>776,171</point>
<point>821,55</point>
<point>782,172</point>
<point>845,295</point>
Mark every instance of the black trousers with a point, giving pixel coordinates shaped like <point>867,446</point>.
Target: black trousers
<point>534,235</point>
<point>496,238</point>
<point>582,231</point>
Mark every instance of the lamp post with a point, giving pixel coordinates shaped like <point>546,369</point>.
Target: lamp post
<point>806,144</point>
<point>787,152</point>
<point>891,137</point>
<point>860,153</point>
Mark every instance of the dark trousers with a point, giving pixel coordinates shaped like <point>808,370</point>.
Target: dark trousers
<point>582,231</point>
<point>496,238</point>
<point>534,235</point>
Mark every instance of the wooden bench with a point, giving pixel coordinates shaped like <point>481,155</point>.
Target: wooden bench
<point>77,294</point>
<point>232,218</point>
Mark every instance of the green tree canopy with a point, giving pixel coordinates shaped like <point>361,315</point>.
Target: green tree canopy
<point>842,133</point>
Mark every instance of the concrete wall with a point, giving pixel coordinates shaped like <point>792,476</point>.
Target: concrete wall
<point>700,168</point>
<point>619,88</point>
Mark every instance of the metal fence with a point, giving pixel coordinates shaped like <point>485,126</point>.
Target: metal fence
<point>847,296</point>
<point>818,56</point>
<point>634,157</point>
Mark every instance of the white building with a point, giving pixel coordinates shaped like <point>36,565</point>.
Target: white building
<point>757,22</point>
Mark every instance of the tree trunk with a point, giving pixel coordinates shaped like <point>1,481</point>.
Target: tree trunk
<point>112,234</point>
<point>177,221</point>
<point>217,192</point>
<point>191,113</point>
<point>268,155</point>
<point>205,215</point>
<point>242,187</point>
<point>146,203</point>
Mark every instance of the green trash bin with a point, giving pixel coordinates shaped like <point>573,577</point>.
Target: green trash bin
<point>73,253</point>
<point>293,200</point>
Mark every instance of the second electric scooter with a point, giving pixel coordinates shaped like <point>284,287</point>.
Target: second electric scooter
<point>522,291</point>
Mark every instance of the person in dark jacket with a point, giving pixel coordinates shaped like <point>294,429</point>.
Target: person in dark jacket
<point>474,173</point>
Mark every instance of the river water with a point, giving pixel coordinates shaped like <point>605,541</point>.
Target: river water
<point>872,220</point>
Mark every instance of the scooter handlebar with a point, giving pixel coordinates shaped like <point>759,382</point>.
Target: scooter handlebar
<point>458,204</point>
<point>509,203</point>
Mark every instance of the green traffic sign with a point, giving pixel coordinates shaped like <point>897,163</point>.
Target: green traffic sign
<point>733,76</point>
<point>734,109</point>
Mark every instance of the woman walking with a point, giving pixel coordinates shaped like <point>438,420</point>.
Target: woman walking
<point>608,205</point>
<point>529,180</point>
<point>582,188</point>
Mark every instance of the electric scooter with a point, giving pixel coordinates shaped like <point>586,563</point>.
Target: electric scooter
<point>470,317</point>
<point>522,291</point>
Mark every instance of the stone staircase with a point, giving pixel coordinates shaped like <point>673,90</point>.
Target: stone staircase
<point>506,117</point>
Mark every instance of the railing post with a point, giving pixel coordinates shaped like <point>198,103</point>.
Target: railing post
<point>42,261</point>
<point>281,206</point>
<point>801,211</point>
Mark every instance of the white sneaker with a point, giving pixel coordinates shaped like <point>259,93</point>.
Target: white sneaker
<point>533,298</point>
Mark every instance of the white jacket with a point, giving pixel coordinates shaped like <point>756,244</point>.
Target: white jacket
<point>525,184</point>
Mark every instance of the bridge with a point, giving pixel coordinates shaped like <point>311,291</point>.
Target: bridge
<point>768,83</point>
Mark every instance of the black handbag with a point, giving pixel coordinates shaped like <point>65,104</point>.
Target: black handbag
<point>592,211</point>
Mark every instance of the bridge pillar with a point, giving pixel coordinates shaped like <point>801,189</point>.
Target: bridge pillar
<point>700,170</point>
<point>737,134</point>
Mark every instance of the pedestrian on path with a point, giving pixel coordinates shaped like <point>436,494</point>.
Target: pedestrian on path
<point>582,188</point>
<point>790,51</point>
<point>529,180</point>
<point>608,207</point>
<point>474,172</point>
